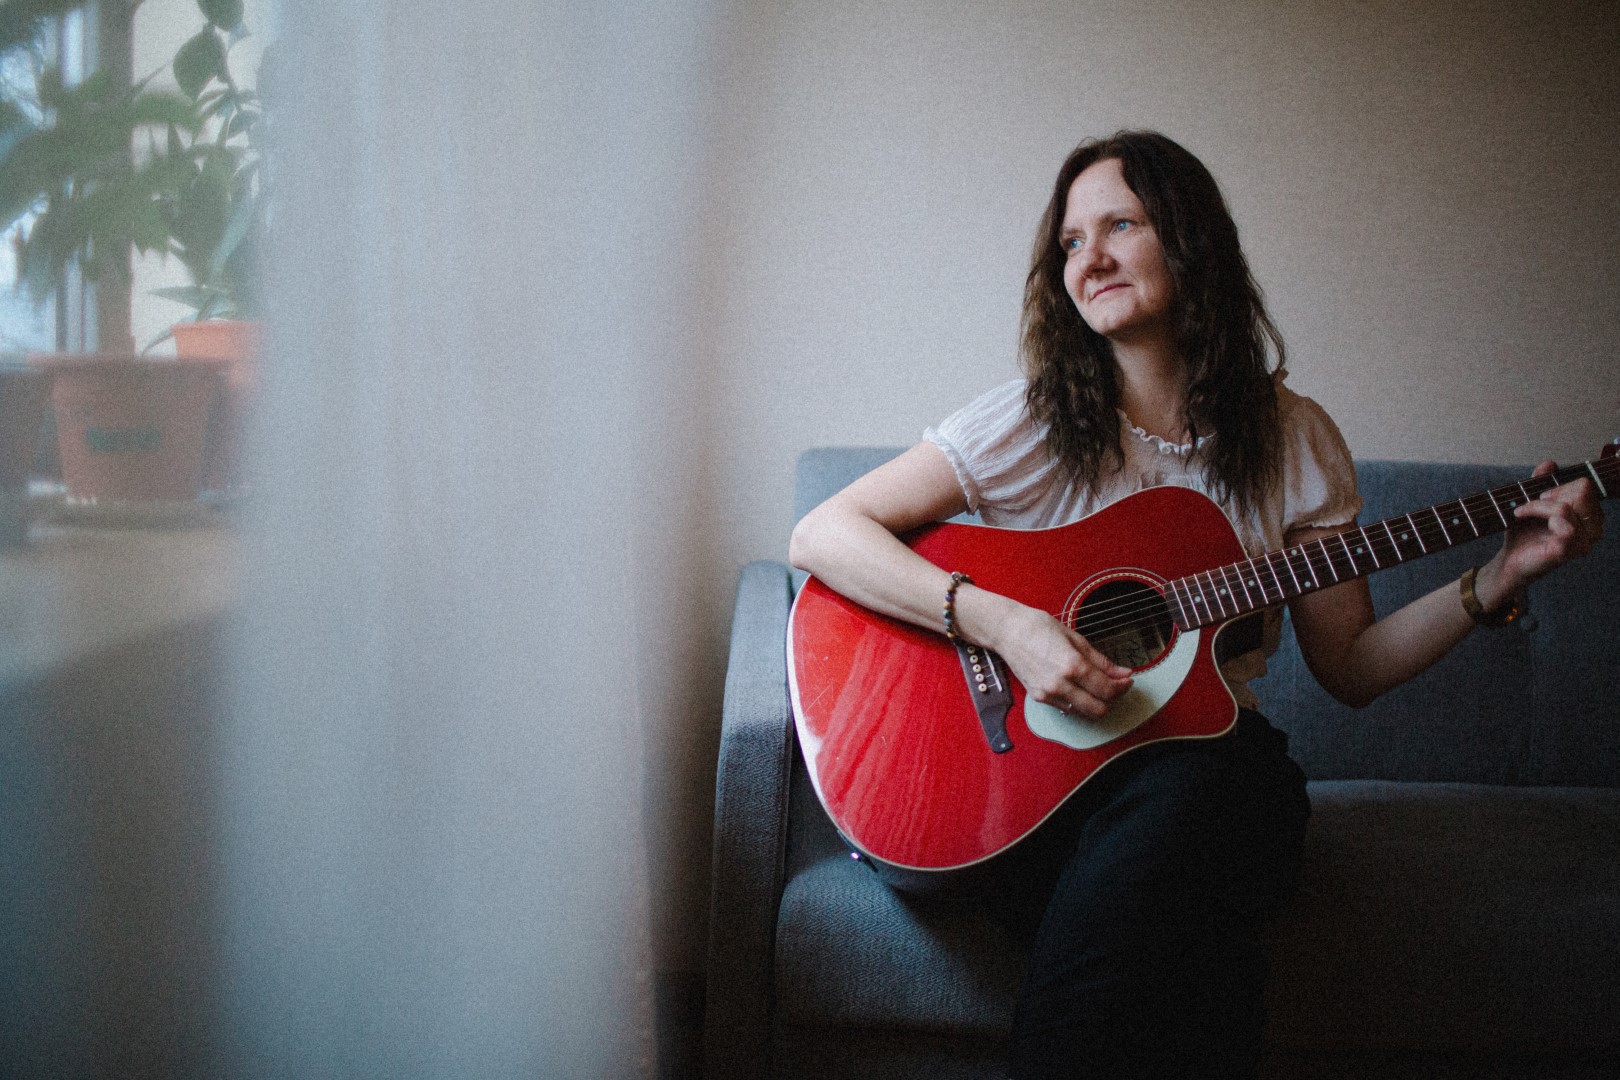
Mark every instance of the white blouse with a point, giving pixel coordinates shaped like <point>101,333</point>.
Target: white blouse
<point>999,454</point>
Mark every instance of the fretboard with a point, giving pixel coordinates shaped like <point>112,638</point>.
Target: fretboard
<point>1226,592</point>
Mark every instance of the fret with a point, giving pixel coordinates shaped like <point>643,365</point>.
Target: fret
<point>1339,562</point>
<point>1227,595</point>
<point>1302,574</point>
<point>1332,567</point>
<point>1391,556</point>
<point>1238,602</point>
<point>1462,504</point>
<point>1316,554</point>
<point>1363,548</point>
<point>1200,602</point>
<point>1498,506</point>
<point>1247,599</point>
<point>1298,588</point>
<point>1260,583</point>
<point>1402,541</point>
<point>1394,546</point>
<point>1218,601</point>
<point>1175,591</point>
<point>1203,598</point>
<point>1311,564</point>
<point>1458,515</point>
<point>1189,600</point>
<point>1603,492</point>
<point>1435,510</point>
<point>1276,582</point>
<point>1434,529</point>
<point>1423,549</point>
<point>1349,556</point>
<point>1354,569</point>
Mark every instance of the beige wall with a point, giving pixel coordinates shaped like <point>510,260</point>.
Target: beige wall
<point>1427,192</point>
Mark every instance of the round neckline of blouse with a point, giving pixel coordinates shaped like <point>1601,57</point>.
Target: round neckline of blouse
<point>1162,445</point>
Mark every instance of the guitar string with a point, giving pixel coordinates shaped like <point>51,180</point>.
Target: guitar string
<point>1142,611</point>
<point>1109,617</point>
<point>1112,617</point>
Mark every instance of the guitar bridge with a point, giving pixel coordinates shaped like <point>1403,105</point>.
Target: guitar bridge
<point>992,695</point>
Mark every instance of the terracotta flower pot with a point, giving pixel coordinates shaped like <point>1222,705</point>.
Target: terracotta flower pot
<point>238,344</point>
<point>22,415</point>
<point>130,429</point>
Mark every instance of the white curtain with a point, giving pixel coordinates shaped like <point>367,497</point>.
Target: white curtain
<point>433,857</point>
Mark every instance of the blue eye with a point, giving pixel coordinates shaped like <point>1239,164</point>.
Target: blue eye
<point>1122,224</point>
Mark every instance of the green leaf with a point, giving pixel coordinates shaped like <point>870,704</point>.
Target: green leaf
<point>206,301</point>
<point>225,14</point>
<point>193,296</point>
<point>199,61</point>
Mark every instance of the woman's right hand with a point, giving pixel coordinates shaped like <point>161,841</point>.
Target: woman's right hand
<point>1057,666</point>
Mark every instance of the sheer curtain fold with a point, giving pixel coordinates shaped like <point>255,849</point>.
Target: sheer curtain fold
<point>434,859</point>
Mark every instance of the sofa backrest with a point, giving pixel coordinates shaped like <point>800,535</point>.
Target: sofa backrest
<point>1535,703</point>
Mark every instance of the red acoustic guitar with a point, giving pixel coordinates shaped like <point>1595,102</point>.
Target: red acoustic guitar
<point>931,762</point>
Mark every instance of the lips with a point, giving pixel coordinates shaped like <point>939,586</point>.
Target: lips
<point>1108,289</point>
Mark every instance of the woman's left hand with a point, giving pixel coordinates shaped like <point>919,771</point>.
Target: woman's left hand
<point>1562,524</point>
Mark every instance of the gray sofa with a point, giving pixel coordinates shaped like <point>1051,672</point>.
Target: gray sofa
<point>1460,915</point>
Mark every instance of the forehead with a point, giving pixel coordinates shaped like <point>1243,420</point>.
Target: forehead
<point>1100,191</point>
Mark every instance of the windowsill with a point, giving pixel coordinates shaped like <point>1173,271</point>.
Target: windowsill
<point>72,593</point>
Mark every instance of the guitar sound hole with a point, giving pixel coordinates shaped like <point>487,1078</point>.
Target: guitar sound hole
<point>1128,621</point>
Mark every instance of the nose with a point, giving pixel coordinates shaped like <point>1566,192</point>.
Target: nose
<point>1093,258</point>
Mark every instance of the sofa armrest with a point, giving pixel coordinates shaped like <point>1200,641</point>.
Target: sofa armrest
<point>750,826</point>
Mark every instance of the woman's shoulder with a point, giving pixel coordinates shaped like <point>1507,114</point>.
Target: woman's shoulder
<point>1004,399</point>
<point>1301,415</point>
<point>1319,478</point>
<point>997,449</point>
<point>993,416</point>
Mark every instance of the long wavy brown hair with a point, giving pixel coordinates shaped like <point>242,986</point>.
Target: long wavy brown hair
<point>1224,335</point>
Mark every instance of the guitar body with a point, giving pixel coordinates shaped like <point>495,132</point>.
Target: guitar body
<point>886,716</point>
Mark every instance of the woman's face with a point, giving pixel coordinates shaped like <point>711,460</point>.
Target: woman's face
<point>1114,270</point>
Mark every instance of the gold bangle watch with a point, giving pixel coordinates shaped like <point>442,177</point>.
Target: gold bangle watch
<point>1515,607</point>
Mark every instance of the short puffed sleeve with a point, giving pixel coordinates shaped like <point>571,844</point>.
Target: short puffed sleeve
<point>998,452</point>
<point>1319,477</point>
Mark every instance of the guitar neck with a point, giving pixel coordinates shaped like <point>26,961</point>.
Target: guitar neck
<point>1227,592</point>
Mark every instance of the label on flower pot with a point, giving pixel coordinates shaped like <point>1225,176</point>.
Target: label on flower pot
<point>138,440</point>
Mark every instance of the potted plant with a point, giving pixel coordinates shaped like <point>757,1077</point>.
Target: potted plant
<point>216,215</point>
<point>106,170</point>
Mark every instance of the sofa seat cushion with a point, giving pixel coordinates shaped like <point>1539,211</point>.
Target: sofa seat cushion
<point>1434,918</point>
<point>1453,918</point>
<point>850,951</point>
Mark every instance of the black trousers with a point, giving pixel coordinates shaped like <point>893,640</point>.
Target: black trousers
<point>1147,896</point>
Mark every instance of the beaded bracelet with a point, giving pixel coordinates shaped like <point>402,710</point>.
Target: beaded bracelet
<point>958,579</point>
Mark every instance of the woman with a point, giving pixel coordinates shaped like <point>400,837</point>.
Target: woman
<point>1150,360</point>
